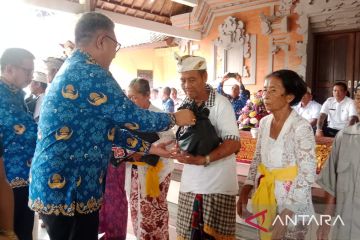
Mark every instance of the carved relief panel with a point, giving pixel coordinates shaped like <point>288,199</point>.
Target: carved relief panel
<point>232,48</point>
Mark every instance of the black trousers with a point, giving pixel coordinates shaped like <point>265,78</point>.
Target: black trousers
<point>78,227</point>
<point>330,132</point>
<point>23,215</point>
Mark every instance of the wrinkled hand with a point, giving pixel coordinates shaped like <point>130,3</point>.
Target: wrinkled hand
<point>323,232</point>
<point>160,149</point>
<point>185,117</point>
<point>243,201</point>
<point>279,230</point>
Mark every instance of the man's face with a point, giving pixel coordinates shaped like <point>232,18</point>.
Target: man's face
<point>235,91</point>
<point>21,75</point>
<point>339,93</point>
<point>35,87</point>
<point>193,83</point>
<point>110,45</point>
<point>306,98</point>
<point>173,94</point>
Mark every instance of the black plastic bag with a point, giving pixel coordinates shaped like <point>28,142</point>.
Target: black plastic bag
<point>201,138</point>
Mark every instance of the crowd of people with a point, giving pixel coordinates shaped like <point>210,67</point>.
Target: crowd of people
<point>80,152</point>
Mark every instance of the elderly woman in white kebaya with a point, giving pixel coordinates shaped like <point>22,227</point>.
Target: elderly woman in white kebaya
<point>284,164</point>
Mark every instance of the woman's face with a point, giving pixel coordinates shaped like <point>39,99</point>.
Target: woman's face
<point>275,97</point>
<point>139,99</point>
<point>357,101</point>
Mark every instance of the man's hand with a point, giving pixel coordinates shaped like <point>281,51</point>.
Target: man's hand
<point>160,149</point>
<point>225,78</point>
<point>184,117</point>
<point>319,133</point>
<point>279,229</point>
<point>187,158</point>
<point>238,77</point>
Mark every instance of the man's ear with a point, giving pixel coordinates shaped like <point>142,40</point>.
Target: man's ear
<point>204,76</point>
<point>99,41</point>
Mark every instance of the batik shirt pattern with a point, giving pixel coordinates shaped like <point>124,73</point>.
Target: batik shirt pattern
<point>18,131</point>
<point>76,131</point>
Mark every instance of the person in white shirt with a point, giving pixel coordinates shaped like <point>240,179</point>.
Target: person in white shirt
<point>37,87</point>
<point>208,183</point>
<point>308,108</point>
<point>174,97</point>
<point>340,111</point>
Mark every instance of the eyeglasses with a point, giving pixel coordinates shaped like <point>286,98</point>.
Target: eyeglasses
<point>118,45</point>
<point>26,70</point>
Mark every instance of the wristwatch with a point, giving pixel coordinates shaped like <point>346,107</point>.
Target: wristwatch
<point>207,160</point>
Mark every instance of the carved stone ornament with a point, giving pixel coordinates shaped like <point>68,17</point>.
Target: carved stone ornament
<point>232,33</point>
<point>231,49</point>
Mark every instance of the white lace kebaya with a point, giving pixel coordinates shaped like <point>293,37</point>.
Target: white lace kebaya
<point>295,145</point>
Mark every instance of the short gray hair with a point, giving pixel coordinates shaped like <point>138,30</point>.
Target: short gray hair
<point>14,56</point>
<point>141,86</point>
<point>88,24</point>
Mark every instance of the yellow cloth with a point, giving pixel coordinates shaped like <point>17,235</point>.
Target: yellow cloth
<point>264,196</point>
<point>152,178</point>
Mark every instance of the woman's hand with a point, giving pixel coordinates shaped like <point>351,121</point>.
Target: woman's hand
<point>243,200</point>
<point>184,117</point>
<point>323,232</point>
<point>279,229</point>
<point>160,149</point>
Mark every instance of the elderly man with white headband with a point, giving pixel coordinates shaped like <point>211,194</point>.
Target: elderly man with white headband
<point>208,183</point>
<point>37,87</point>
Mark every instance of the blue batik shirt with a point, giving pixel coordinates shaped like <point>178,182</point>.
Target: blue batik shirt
<point>77,127</point>
<point>237,103</point>
<point>168,105</point>
<point>18,131</point>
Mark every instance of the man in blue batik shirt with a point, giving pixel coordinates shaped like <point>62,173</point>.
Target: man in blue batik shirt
<point>77,127</point>
<point>18,131</point>
<point>167,102</point>
<point>238,96</point>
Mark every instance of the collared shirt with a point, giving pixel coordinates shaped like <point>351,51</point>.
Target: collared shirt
<point>18,131</point>
<point>168,105</point>
<point>238,103</point>
<point>219,176</point>
<point>310,111</point>
<point>339,113</point>
<point>76,131</point>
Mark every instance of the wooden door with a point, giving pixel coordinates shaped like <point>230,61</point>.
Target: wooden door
<point>335,60</point>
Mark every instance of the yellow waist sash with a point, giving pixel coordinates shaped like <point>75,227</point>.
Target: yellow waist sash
<point>152,178</point>
<point>264,196</point>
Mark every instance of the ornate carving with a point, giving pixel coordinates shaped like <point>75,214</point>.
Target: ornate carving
<point>232,33</point>
<point>265,24</point>
<point>231,49</point>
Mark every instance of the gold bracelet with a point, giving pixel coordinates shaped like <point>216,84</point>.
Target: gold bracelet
<point>10,234</point>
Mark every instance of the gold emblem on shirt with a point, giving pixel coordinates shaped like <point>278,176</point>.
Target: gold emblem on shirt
<point>69,92</point>
<point>132,142</point>
<point>111,134</point>
<point>97,99</point>
<point>63,133</point>
<point>78,182</point>
<point>56,181</point>
<point>132,126</point>
<point>19,129</point>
